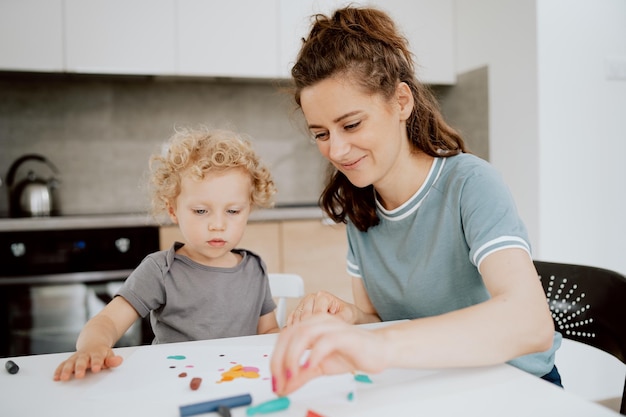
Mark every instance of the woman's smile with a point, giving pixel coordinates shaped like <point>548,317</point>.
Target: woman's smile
<point>354,164</point>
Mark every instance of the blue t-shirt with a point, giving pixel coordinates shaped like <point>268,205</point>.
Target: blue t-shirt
<point>422,259</point>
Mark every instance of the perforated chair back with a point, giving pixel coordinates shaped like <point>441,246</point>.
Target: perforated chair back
<point>284,286</point>
<point>588,304</point>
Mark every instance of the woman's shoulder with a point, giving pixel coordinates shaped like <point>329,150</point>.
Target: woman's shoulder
<point>464,166</point>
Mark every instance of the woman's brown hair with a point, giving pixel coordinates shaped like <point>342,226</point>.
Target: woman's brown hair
<point>365,45</point>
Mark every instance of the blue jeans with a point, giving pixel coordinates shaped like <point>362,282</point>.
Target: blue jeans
<point>554,377</point>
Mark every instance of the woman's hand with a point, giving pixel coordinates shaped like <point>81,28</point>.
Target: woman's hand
<point>94,358</point>
<point>336,347</point>
<point>323,302</point>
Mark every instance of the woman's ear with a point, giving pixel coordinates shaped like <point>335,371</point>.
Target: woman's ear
<point>405,99</point>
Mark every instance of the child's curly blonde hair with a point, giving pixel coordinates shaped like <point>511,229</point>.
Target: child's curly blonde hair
<point>198,152</point>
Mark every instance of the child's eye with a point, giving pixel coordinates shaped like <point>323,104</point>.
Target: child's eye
<point>200,211</point>
<point>233,211</point>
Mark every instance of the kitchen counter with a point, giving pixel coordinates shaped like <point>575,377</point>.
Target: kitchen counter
<point>280,213</point>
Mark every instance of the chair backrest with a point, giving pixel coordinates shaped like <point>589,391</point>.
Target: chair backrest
<point>285,286</point>
<point>588,304</point>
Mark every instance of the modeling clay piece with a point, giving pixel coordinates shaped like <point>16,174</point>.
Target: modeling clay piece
<point>11,367</point>
<point>182,374</point>
<point>195,383</point>
<point>311,413</point>
<point>279,404</point>
<point>240,371</point>
<point>362,378</point>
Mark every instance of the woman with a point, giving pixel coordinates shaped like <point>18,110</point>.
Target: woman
<point>433,232</point>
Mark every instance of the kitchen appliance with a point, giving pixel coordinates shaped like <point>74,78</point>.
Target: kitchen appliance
<point>53,281</point>
<point>33,195</point>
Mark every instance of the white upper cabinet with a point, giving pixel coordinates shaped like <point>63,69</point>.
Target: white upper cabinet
<point>295,22</point>
<point>120,36</point>
<point>228,38</point>
<point>205,38</point>
<point>427,24</point>
<point>429,27</point>
<point>31,35</point>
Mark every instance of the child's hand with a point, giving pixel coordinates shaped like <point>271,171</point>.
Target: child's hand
<point>95,358</point>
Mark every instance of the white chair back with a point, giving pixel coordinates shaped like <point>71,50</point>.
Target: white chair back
<point>285,286</point>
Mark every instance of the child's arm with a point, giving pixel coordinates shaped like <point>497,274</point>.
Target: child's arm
<point>268,324</point>
<point>94,345</point>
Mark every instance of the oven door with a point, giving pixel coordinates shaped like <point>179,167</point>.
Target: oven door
<point>53,281</point>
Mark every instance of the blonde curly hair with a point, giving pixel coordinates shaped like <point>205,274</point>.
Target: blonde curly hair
<point>197,152</point>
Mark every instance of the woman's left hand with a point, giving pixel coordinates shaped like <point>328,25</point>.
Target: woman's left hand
<point>336,347</point>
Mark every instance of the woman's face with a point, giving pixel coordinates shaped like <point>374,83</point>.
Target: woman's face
<point>362,135</point>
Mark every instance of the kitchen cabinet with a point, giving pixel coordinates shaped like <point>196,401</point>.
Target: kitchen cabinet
<point>256,39</point>
<point>228,39</point>
<point>311,248</point>
<point>317,251</point>
<point>427,24</point>
<point>120,37</point>
<point>31,35</point>
<point>260,237</point>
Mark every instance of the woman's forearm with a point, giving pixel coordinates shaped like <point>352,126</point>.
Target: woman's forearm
<point>485,334</point>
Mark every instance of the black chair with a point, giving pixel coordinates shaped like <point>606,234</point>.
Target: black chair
<point>588,304</point>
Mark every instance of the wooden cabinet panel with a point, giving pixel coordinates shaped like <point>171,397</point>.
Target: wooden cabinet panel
<point>262,238</point>
<point>310,248</point>
<point>317,251</point>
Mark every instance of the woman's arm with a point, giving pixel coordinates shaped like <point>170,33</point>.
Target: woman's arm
<point>514,322</point>
<point>365,310</point>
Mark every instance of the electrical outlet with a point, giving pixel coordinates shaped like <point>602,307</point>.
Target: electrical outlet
<point>616,68</point>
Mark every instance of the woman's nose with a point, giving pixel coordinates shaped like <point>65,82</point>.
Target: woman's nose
<point>338,147</point>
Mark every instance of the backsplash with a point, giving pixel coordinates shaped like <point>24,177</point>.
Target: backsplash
<point>100,131</point>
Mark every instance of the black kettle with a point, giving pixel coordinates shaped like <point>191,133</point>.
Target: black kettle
<point>33,196</point>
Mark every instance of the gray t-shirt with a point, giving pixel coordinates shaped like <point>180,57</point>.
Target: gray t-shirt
<point>422,259</point>
<point>190,301</point>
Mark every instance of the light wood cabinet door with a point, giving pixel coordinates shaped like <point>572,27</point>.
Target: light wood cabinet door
<point>262,238</point>
<point>317,251</point>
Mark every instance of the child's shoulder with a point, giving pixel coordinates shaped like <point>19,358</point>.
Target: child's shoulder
<point>251,256</point>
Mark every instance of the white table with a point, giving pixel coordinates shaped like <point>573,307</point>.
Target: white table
<point>488,391</point>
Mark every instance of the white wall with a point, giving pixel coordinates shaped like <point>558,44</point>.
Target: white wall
<point>557,125</point>
<point>582,132</point>
<point>558,135</point>
<point>502,35</point>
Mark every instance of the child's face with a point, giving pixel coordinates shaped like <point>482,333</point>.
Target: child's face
<point>212,214</point>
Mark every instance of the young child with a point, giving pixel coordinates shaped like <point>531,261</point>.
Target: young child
<point>204,288</point>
